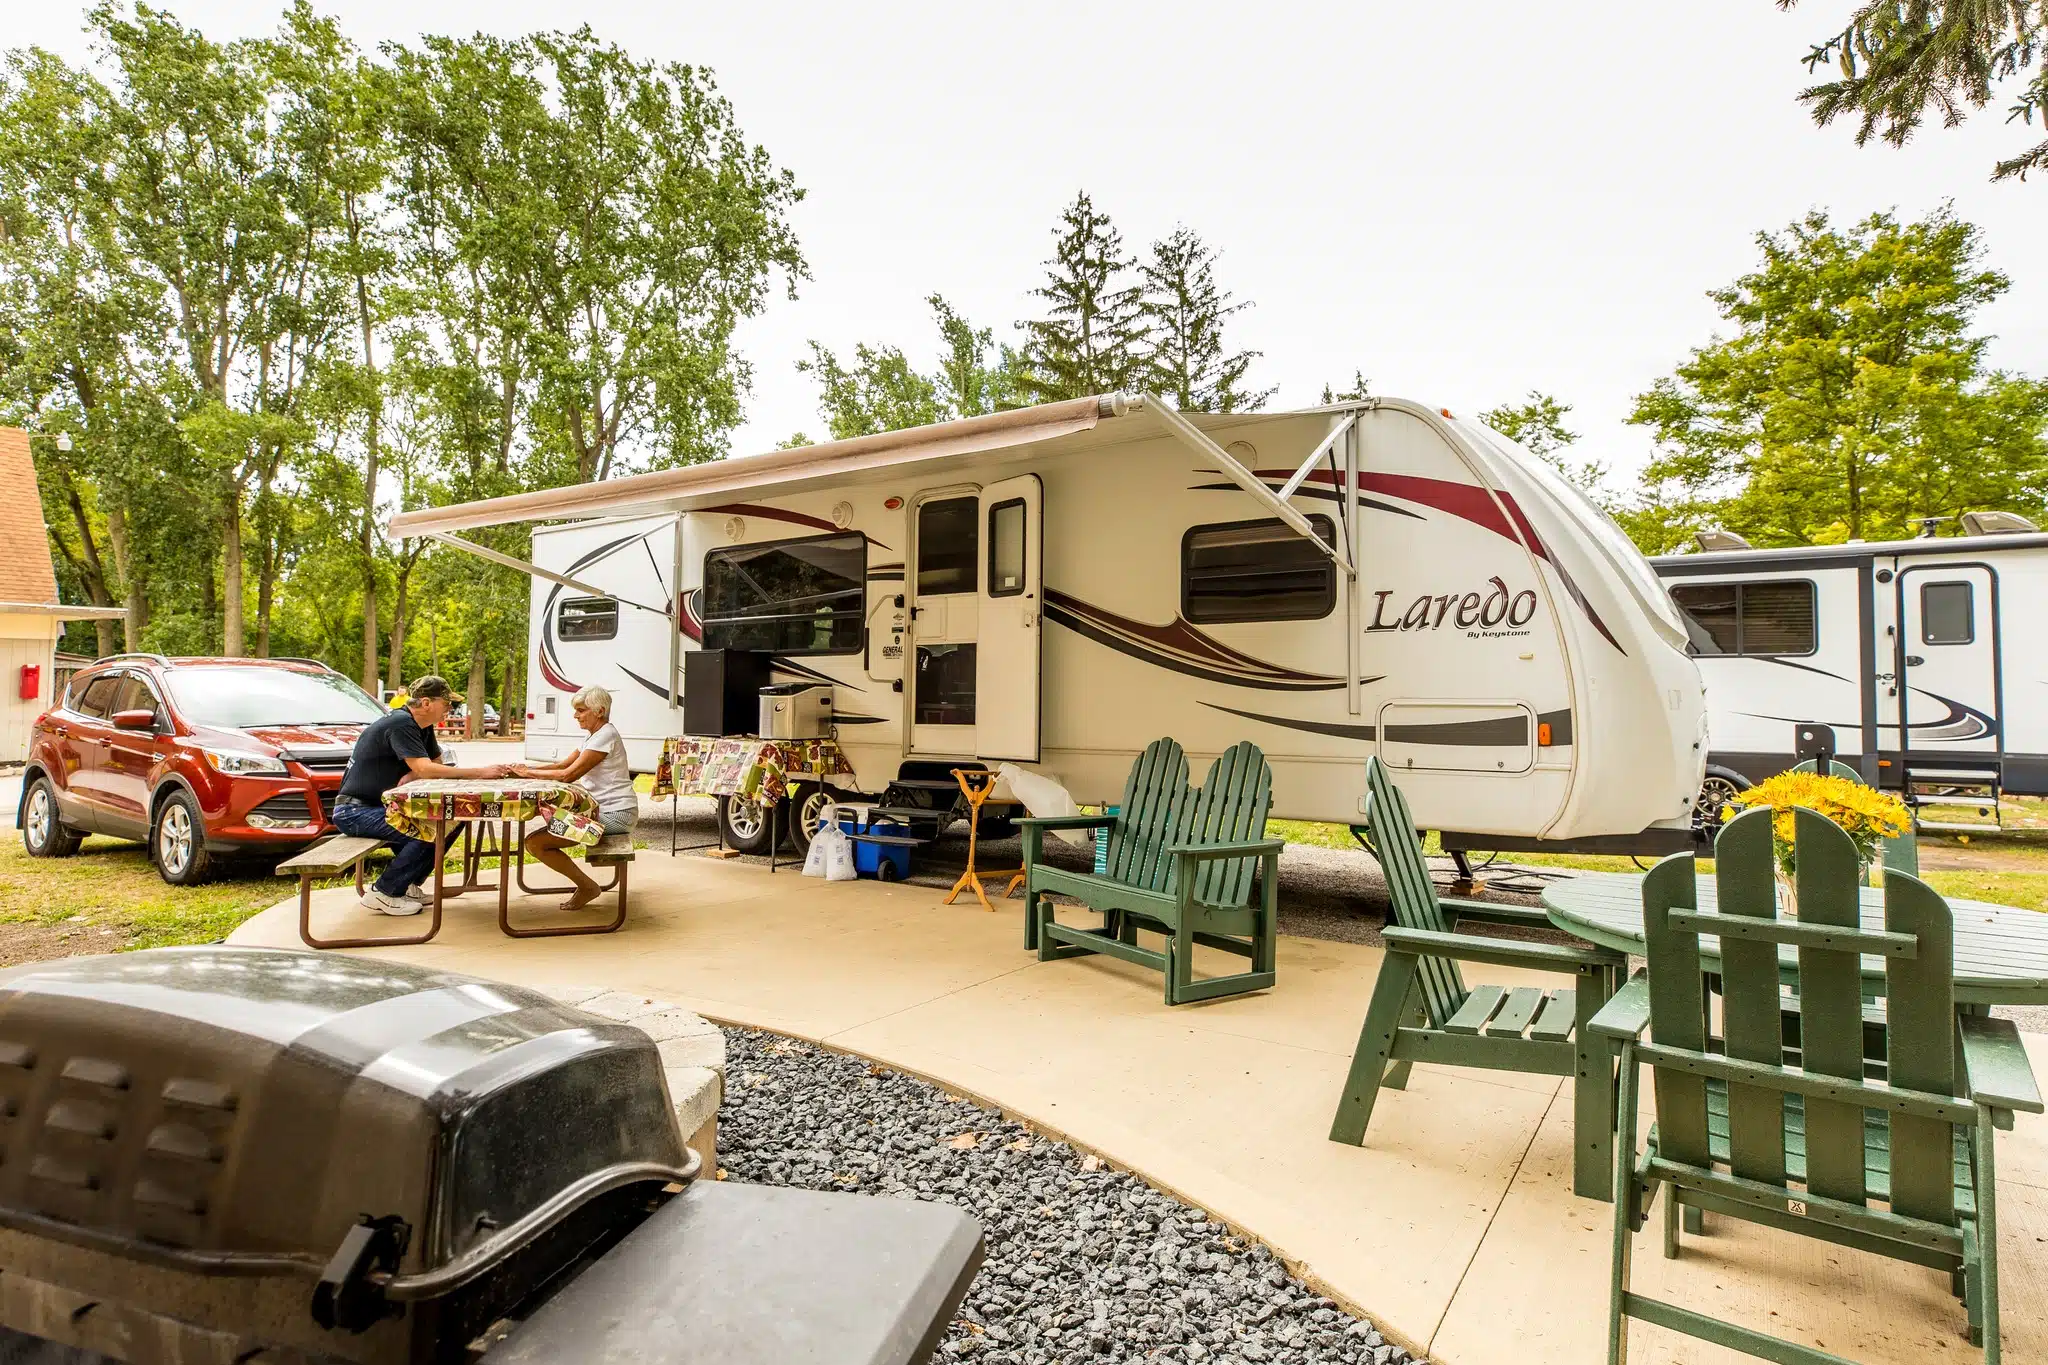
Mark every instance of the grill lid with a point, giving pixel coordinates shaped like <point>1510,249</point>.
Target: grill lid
<point>242,1110</point>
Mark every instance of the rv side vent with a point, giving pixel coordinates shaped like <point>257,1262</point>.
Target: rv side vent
<point>1995,524</point>
<point>1710,541</point>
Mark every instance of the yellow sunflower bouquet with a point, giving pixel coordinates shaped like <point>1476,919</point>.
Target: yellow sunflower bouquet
<point>1865,814</point>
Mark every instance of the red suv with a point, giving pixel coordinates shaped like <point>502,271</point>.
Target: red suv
<point>197,757</point>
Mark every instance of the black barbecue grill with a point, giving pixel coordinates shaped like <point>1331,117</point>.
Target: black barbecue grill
<point>242,1156</point>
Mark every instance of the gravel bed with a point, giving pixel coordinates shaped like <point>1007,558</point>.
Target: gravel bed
<point>1085,1263</point>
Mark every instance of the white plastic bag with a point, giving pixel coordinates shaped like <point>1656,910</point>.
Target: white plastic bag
<point>814,859</point>
<point>1044,796</point>
<point>838,855</point>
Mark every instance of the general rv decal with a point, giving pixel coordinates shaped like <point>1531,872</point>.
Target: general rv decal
<point>1491,615</point>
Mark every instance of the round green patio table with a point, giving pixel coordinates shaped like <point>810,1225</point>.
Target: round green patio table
<point>2001,951</point>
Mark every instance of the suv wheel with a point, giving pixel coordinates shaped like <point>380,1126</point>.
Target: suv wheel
<point>43,832</point>
<point>177,842</point>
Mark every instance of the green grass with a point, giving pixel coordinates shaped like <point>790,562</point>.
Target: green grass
<point>109,885</point>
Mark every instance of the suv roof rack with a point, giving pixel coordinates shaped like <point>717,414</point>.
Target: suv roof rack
<point>295,659</point>
<point>133,654</point>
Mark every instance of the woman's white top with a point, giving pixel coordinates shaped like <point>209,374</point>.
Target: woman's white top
<point>611,782</point>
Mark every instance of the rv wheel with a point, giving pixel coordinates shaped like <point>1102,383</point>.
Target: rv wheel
<point>744,824</point>
<point>806,812</point>
<point>1717,789</point>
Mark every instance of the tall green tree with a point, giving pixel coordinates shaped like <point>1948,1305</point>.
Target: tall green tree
<point>883,391</point>
<point>1093,339</point>
<point>1853,396</point>
<point>1185,309</point>
<point>976,375</point>
<point>1899,59</point>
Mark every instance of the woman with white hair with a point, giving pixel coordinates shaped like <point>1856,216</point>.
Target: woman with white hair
<point>600,765</point>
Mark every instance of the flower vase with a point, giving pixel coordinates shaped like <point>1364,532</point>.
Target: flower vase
<point>1788,895</point>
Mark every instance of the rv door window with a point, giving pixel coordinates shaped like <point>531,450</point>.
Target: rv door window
<point>946,545</point>
<point>1748,618</point>
<point>788,596</point>
<point>1006,548</point>
<point>945,685</point>
<point>1947,614</point>
<point>587,618</point>
<point>1256,571</point>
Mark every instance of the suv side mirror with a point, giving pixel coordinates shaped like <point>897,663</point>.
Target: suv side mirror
<point>135,720</point>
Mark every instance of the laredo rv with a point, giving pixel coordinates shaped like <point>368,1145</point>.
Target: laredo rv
<point>1059,585</point>
<point>1915,651</point>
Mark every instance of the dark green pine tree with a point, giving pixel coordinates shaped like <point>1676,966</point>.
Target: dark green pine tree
<point>1185,310</point>
<point>1094,339</point>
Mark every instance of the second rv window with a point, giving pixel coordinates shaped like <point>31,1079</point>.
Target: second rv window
<point>1748,618</point>
<point>1946,614</point>
<point>946,545</point>
<point>787,597</point>
<point>587,618</point>
<point>1256,571</point>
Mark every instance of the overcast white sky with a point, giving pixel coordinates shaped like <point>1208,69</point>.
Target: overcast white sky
<point>1464,202</point>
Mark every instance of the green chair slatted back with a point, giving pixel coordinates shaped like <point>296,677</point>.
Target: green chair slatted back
<point>1920,1010</point>
<point>1230,808</point>
<point>1901,854</point>
<point>1410,889</point>
<point>1155,807</point>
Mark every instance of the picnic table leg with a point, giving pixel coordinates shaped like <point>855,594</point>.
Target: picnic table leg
<point>1593,1091</point>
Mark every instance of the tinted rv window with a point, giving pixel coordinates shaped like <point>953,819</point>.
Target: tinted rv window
<point>1006,548</point>
<point>1946,614</point>
<point>787,597</point>
<point>946,544</point>
<point>1256,571</point>
<point>1748,618</point>
<point>587,618</point>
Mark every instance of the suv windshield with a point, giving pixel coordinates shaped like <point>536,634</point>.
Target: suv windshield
<point>243,696</point>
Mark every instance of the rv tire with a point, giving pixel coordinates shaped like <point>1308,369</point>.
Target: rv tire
<point>1717,787</point>
<point>807,800</point>
<point>743,824</point>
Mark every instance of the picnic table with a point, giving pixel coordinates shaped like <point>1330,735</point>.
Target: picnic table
<point>744,766</point>
<point>477,808</point>
<point>2001,951</point>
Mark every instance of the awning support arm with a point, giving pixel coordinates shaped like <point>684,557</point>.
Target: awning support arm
<point>1328,446</point>
<point>498,557</point>
<point>1190,435</point>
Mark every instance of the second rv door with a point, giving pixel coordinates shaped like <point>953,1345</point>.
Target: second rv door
<point>1948,660</point>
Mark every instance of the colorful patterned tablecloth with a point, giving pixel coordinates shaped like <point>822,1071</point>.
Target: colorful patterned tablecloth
<point>571,812</point>
<point>742,765</point>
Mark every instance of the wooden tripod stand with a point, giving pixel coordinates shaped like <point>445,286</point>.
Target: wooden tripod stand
<point>976,784</point>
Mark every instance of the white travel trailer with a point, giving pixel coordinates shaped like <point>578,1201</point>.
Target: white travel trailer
<point>1059,585</point>
<point>1916,652</point>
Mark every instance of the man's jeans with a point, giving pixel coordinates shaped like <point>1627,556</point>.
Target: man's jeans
<point>411,863</point>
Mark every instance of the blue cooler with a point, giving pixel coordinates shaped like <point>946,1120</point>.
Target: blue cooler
<point>884,862</point>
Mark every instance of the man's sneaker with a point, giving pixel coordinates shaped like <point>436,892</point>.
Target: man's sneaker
<point>390,905</point>
<point>420,893</point>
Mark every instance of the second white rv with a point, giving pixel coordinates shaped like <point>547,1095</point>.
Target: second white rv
<point>1059,585</point>
<point>1916,652</point>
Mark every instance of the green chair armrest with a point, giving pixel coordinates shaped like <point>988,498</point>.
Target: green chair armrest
<point>1488,913</point>
<point>1499,952</point>
<point>1063,821</point>
<point>1995,1065</point>
<point>1202,853</point>
<point>1626,1013</point>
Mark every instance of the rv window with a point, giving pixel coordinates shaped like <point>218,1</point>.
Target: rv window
<point>1947,614</point>
<point>1256,571</point>
<point>1748,618</point>
<point>945,685</point>
<point>788,596</point>
<point>587,618</point>
<point>1006,548</point>
<point>946,545</point>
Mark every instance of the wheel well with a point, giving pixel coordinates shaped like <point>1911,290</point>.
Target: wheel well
<point>163,793</point>
<point>29,774</point>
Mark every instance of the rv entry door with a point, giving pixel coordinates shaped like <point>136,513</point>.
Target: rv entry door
<point>1009,668</point>
<point>1948,663</point>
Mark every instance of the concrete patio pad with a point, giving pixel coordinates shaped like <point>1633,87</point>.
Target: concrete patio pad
<point>1455,1228</point>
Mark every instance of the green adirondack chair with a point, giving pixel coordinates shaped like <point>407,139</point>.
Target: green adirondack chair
<point>1180,863</point>
<point>1807,1148</point>
<point>1898,854</point>
<point>1521,1029</point>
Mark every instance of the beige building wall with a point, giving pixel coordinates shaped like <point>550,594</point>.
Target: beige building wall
<point>29,641</point>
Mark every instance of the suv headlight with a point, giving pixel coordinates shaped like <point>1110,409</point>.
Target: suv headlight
<point>238,763</point>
